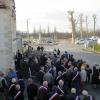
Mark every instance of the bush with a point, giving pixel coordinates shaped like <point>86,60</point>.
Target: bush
<point>97,47</point>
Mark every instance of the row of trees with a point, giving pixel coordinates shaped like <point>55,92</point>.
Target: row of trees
<point>74,23</point>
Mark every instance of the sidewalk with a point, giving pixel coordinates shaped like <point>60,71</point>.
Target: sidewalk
<point>91,50</point>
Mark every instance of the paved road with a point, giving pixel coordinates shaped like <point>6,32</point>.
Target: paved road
<point>77,51</point>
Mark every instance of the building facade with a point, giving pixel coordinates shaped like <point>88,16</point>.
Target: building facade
<point>7,34</point>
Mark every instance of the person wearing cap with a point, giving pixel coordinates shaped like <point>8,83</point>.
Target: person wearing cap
<point>73,95</point>
<point>43,91</point>
<point>86,96</point>
<point>76,79</point>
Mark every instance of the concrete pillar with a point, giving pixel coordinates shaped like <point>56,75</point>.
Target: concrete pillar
<point>7,29</point>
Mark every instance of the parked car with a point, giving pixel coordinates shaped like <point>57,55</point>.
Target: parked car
<point>98,41</point>
<point>80,42</point>
<point>94,38</point>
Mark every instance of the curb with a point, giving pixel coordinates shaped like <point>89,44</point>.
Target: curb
<point>96,52</point>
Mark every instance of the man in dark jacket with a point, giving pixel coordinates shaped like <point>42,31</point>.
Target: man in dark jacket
<point>43,91</point>
<point>3,87</point>
<point>86,96</point>
<point>73,95</point>
<point>18,95</point>
<point>31,89</point>
<point>61,90</point>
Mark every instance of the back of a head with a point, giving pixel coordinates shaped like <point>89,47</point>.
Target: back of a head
<point>75,69</point>
<point>85,93</point>
<point>45,84</point>
<point>13,80</point>
<point>73,90</point>
<point>17,87</point>
<point>59,73</point>
<point>30,81</point>
<point>42,68</point>
<point>1,74</point>
<point>61,82</point>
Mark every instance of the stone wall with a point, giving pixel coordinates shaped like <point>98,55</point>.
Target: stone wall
<point>7,33</point>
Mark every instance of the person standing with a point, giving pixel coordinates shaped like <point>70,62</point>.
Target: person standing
<point>86,96</point>
<point>95,77</point>
<point>49,78</point>
<point>73,95</point>
<point>31,90</point>
<point>76,80</point>
<point>61,90</point>
<point>83,76</point>
<point>43,91</point>
<point>3,87</point>
<point>18,95</point>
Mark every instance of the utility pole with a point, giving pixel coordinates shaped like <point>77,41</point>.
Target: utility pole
<point>40,35</point>
<point>94,24</point>
<point>94,20</point>
<point>73,25</point>
<point>28,30</point>
<point>81,25</point>
<point>87,26</point>
<point>55,33</point>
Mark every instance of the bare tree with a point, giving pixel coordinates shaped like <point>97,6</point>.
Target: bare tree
<point>94,20</point>
<point>81,25</point>
<point>87,31</point>
<point>73,25</point>
<point>55,34</point>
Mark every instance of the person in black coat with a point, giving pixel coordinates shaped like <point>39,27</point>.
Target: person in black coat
<point>43,91</point>
<point>18,95</point>
<point>31,89</point>
<point>95,77</point>
<point>86,96</point>
<point>3,86</point>
<point>40,75</point>
<point>22,84</point>
<point>73,95</point>
<point>61,90</point>
<point>38,48</point>
<point>12,88</point>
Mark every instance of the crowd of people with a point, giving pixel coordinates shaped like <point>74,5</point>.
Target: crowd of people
<point>48,76</point>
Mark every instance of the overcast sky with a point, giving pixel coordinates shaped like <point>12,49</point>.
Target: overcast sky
<point>53,12</point>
